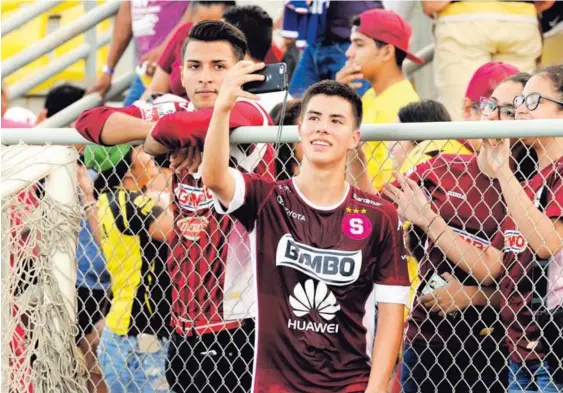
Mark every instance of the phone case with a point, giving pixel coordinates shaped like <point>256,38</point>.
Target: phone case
<point>275,80</point>
<point>434,282</point>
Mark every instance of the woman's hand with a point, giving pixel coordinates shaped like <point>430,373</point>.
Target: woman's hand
<point>497,156</point>
<point>412,203</point>
<point>450,298</point>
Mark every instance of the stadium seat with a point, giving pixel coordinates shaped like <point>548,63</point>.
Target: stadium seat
<point>36,30</point>
<point>22,38</point>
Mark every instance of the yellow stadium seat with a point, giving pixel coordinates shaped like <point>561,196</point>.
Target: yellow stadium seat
<point>12,5</point>
<point>76,72</point>
<point>20,39</point>
<point>36,30</point>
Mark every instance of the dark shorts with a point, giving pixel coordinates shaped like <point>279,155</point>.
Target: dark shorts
<point>212,363</point>
<point>93,305</point>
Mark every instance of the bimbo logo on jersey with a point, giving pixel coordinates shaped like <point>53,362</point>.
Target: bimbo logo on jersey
<point>330,266</point>
<point>193,198</point>
<point>514,242</point>
<point>474,240</point>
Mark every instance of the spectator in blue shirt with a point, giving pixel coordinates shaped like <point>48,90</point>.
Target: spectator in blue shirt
<point>323,28</point>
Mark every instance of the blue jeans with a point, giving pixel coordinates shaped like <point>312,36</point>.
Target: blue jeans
<point>127,369</point>
<point>532,376</point>
<point>428,370</point>
<point>136,90</point>
<point>319,63</point>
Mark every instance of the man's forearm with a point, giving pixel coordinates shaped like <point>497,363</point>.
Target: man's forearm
<point>122,34</point>
<point>215,165</point>
<point>154,148</point>
<point>120,128</point>
<point>388,340</point>
<point>483,265</point>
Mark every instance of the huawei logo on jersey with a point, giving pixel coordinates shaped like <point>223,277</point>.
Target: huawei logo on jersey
<point>333,267</point>
<point>308,298</point>
<point>321,299</point>
<point>193,198</point>
<point>514,242</point>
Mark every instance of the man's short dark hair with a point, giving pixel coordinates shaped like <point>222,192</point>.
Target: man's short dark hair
<point>215,30</point>
<point>426,111</point>
<point>62,96</point>
<point>256,25</point>
<point>335,89</point>
<point>423,112</point>
<point>400,56</point>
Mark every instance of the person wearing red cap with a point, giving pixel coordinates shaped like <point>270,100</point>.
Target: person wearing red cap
<point>471,33</point>
<point>482,84</point>
<point>380,44</point>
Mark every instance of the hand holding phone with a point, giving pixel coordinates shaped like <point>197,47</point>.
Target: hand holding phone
<point>275,79</point>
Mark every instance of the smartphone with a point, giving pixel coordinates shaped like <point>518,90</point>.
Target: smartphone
<point>433,282</point>
<point>275,79</point>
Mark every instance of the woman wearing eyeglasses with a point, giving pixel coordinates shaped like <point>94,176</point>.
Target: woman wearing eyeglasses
<point>530,266</point>
<point>453,333</point>
<point>532,286</point>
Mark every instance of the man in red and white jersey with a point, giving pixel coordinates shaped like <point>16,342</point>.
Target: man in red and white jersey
<point>209,261</point>
<point>326,252</point>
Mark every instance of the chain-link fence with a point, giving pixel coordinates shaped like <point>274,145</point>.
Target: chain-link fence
<point>166,296</point>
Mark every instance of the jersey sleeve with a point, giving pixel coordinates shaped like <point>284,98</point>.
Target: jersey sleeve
<point>91,122</point>
<point>184,129</point>
<point>141,211</point>
<point>251,191</point>
<point>391,276</point>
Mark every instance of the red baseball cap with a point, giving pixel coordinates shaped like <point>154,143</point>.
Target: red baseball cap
<point>389,27</point>
<point>487,78</point>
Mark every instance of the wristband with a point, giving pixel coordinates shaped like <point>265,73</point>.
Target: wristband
<point>107,70</point>
<point>90,205</point>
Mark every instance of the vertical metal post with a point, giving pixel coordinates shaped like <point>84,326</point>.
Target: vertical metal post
<point>90,37</point>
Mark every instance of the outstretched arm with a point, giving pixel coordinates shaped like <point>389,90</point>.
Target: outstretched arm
<point>111,126</point>
<point>215,165</point>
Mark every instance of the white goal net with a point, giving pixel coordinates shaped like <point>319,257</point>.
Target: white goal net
<point>40,222</point>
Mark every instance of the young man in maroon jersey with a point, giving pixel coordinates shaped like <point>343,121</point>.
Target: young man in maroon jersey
<point>326,252</point>
<point>212,305</point>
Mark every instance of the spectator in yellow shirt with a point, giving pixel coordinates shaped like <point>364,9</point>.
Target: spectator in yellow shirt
<point>380,42</point>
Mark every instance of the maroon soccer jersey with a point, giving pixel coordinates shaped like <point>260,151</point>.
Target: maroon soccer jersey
<point>209,260</point>
<point>319,273</point>
<point>517,284</point>
<point>471,204</point>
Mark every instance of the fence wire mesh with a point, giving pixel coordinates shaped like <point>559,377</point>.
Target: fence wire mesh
<point>165,295</point>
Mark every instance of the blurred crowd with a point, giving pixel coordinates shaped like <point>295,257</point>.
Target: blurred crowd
<point>152,287</point>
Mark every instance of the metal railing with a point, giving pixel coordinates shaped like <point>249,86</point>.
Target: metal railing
<point>84,51</point>
<point>71,112</point>
<point>426,54</point>
<point>59,37</point>
<point>370,132</point>
<point>27,13</point>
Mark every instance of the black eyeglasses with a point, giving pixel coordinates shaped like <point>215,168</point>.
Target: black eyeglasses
<point>488,106</point>
<point>532,100</point>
